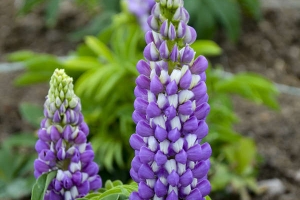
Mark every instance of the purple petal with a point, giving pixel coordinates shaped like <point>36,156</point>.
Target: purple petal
<point>134,175</point>
<point>186,80</point>
<point>202,111</point>
<point>146,155</point>
<point>160,189</point>
<point>172,196</point>
<point>96,183</point>
<point>143,81</point>
<point>173,178</point>
<point>200,65</point>
<point>170,112</point>
<point>202,129</point>
<point>153,23</point>
<point>204,187</point>
<point>206,151</point>
<point>140,105</point>
<point>81,138</point>
<point>164,51</point>
<point>156,86</point>
<point>43,135</point>
<point>41,166</point>
<point>136,141</point>
<point>151,53</point>
<point>145,191</point>
<point>186,108</point>
<point>174,135</point>
<point>174,54</point>
<point>84,188</point>
<point>194,153</point>
<point>160,158</point>
<point>145,172</point>
<point>153,110</point>
<point>172,88</point>
<point>187,55</point>
<point>195,194</point>
<point>143,68</point>
<point>171,32</point>
<point>135,196</point>
<point>186,178</point>
<point>67,132</point>
<point>181,157</point>
<point>200,170</point>
<point>136,117</point>
<point>160,133</point>
<point>87,156</point>
<point>77,178</point>
<point>40,145</point>
<point>144,129</point>
<point>190,35</point>
<point>136,163</point>
<point>91,169</point>
<point>164,29</point>
<point>199,90</point>
<point>54,134</point>
<point>190,125</point>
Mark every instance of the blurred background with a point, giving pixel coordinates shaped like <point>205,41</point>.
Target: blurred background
<point>254,87</point>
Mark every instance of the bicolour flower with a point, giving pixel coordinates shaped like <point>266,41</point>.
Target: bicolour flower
<point>141,9</point>
<point>171,107</point>
<point>62,143</point>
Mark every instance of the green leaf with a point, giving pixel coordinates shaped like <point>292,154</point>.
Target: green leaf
<point>82,63</point>
<point>32,78</point>
<point>241,155</point>
<point>20,140</point>
<point>43,63</point>
<point>29,5</point>
<point>228,13</point>
<point>40,187</point>
<point>19,56</point>
<point>99,48</point>
<point>31,113</point>
<point>207,198</point>
<point>52,12</point>
<point>206,47</point>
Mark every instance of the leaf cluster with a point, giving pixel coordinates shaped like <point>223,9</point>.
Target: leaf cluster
<point>207,16</point>
<point>17,155</point>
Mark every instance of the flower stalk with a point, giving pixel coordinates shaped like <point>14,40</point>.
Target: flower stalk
<point>171,106</point>
<point>62,143</point>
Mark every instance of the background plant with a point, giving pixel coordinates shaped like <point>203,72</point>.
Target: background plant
<point>213,15</point>
<point>104,71</point>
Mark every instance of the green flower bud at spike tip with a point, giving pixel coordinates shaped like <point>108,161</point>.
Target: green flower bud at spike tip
<point>62,144</point>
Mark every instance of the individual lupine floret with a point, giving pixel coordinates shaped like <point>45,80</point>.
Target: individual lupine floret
<point>141,9</point>
<point>170,110</point>
<point>62,143</point>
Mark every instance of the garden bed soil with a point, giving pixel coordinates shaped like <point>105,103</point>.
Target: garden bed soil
<point>270,48</point>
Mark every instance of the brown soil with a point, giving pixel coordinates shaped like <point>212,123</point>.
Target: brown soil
<point>271,48</point>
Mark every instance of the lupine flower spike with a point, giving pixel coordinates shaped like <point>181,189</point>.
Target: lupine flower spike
<point>62,143</point>
<point>170,111</point>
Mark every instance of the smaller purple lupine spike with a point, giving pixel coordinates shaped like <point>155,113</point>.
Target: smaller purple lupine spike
<point>62,143</point>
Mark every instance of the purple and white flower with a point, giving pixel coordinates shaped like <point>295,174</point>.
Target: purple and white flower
<point>62,144</point>
<point>171,107</point>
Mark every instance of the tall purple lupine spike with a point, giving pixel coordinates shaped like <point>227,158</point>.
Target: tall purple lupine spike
<point>170,111</point>
<point>141,9</point>
<point>62,144</point>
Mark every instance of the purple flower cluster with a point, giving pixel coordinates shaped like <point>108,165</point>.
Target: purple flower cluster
<point>141,9</point>
<point>62,143</point>
<point>170,111</point>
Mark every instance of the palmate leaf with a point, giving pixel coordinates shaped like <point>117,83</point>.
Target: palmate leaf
<point>113,191</point>
<point>99,48</point>
<point>31,113</point>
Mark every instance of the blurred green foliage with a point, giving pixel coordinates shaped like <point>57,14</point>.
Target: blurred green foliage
<point>104,71</point>
<point>17,155</point>
<point>206,16</point>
